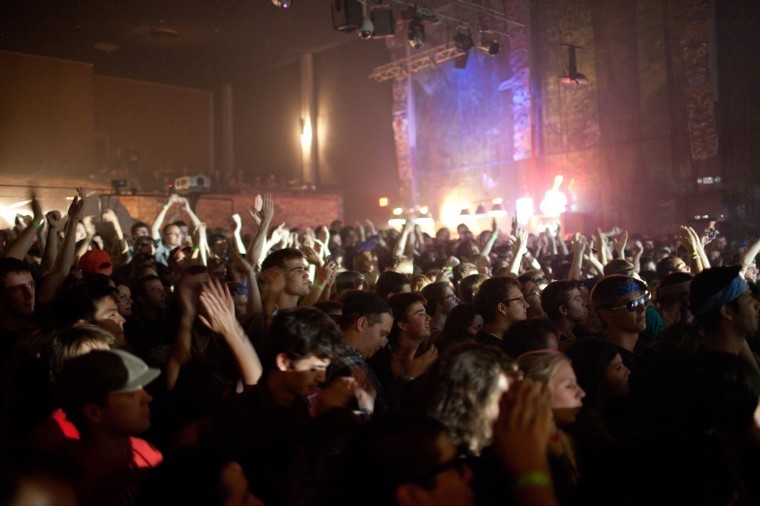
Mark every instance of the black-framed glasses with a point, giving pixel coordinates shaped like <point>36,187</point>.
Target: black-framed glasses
<point>452,297</point>
<point>632,305</point>
<point>458,463</point>
<point>521,298</point>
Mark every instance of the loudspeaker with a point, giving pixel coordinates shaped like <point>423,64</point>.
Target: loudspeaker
<point>385,25</point>
<point>347,15</point>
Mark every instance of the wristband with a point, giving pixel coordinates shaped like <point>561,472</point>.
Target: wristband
<point>318,285</point>
<point>37,225</point>
<point>166,207</point>
<point>534,479</point>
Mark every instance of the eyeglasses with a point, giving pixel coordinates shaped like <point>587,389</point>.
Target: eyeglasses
<point>633,305</point>
<point>458,463</point>
<point>520,298</point>
<point>452,297</point>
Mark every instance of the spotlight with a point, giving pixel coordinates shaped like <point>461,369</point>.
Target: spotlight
<point>463,40</point>
<point>416,34</point>
<point>488,45</point>
<point>367,30</point>
<point>283,4</point>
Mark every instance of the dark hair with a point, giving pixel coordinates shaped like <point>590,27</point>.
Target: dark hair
<point>390,282</point>
<point>469,285</point>
<point>279,257</point>
<point>536,276</point>
<point>136,225</point>
<point>457,388</point>
<point>434,293</point>
<point>665,266</point>
<point>555,295</point>
<point>358,303</point>
<point>527,335</point>
<point>706,284</point>
<point>138,287</point>
<point>455,328</point>
<point>400,304</point>
<point>79,301</point>
<point>591,358</point>
<point>492,292</point>
<point>302,332</point>
<point>8,265</point>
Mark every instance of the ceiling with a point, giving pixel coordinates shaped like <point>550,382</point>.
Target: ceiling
<point>196,43</point>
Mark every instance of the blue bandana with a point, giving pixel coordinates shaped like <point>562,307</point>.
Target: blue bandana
<point>731,291</point>
<point>622,289</point>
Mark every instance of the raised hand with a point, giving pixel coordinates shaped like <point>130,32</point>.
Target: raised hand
<point>238,222</point>
<point>218,309</point>
<point>54,219</point>
<point>109,216</point>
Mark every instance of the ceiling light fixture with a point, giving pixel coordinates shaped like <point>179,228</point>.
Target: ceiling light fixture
<point>283,4</point>
<point>416,33</point>
<point>488,44</point>
<point>463,39</point>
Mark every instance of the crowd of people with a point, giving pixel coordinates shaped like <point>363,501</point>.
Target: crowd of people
<point>346,365</point>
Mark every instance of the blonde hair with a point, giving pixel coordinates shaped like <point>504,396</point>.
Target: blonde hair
<point>541,365</point>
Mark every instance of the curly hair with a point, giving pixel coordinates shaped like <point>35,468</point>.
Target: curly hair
<point>459,388</point>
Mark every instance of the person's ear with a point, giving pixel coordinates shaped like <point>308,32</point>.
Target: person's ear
<point>282,362</point>
<point>361,323</point>
<point>563,310</point>
<point>92,413</point>
<point>409,494</point>
<point>501,308</point>
<point>726,312</point>
<point>402,326</point>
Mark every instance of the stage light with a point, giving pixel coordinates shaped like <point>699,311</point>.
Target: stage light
<point>382,201</point>
<point>283,4</point>
<point>488,44</point>
<point>524,210</point>
<point>465,212</point>
<point>481,210</point>
<point>398,211</point>
<point>463,40</point>
<point>367,30</point>
<point>416,33</point>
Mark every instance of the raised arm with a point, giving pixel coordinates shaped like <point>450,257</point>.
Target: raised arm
<point>492,240</point>
<point>236,233</point>
<point>257,249</point>
<point>186,207</point>
<point>121,246</point>
<point>55,224</point>
<point>521,247</point>
<point>750,255</point>
<point>155,229</point>
<point>65,258</point>
<point>218,314</point>
<point>20,246</point>
<point>579,246</point>
<point>84,244</point>
<point>400,247</point>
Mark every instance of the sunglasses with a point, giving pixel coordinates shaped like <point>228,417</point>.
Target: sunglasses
<point>633,305</point>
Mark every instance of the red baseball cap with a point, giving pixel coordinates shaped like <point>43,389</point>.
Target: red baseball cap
<point>95,261</point>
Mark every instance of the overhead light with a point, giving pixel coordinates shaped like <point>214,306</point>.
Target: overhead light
<point>481,210</point>
<point>465,211</point>
<point>416,33</point>
<point>488,44</point>
<point>283,4</point>
<point>463,40</point>
<point>497,209</point>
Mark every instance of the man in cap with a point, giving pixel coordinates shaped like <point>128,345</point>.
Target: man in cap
<point>102,394</point>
